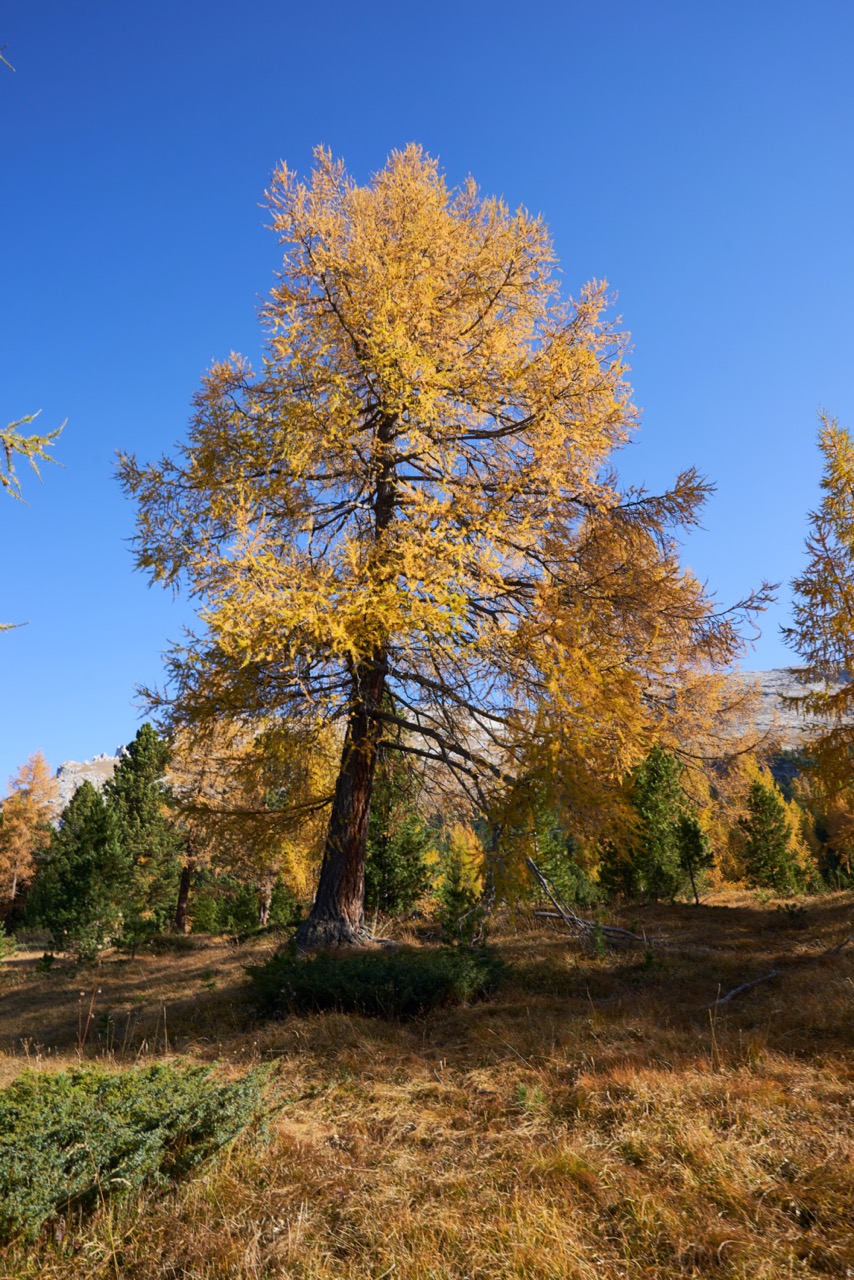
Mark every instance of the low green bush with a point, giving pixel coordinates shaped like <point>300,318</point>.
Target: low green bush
<point>385,984</point>
<point>70,1141</point>
<point>162,944</point>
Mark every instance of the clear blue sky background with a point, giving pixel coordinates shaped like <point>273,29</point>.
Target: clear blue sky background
<point>698,156</point>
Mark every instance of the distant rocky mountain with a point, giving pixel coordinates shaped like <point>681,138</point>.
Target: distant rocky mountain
<point>98,770</point>
<point>772,713</point>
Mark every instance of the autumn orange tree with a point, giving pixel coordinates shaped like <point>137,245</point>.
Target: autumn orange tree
<point>25,816</point>
<point>405,524</point>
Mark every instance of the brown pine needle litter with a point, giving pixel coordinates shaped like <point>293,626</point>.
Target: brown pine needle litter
<point>594,1118</point>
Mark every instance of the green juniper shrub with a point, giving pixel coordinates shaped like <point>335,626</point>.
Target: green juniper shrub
<point>164,944</point>
<point>68,1141</point>
<point>388,984</point>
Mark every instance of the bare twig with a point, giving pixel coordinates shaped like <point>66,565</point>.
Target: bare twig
<point>840,946</point>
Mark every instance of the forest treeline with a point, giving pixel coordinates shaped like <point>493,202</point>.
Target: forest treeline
<point>143,859</point>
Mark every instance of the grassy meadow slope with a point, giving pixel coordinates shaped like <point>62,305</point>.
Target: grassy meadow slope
<point>594,1119</point>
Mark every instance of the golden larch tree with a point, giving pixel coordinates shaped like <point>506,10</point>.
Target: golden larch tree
<point>406,524</point>
<point>822,631</point>
<point>25,816</point>
<point>250,801</point>
<point>33,448</point>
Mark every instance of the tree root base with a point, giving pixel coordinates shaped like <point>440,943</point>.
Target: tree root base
<point>315,935</point>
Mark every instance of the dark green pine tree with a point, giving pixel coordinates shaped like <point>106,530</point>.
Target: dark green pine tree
<point>658,801</point>
<point>138,798</point>
<point>82,877</point>
<point>769,862</point>
<point>668,849</point>
<point>396,871</point>
<point>695,852</point>
<point>558,857</point>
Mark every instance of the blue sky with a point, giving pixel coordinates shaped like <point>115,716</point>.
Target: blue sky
<point>698,156</point>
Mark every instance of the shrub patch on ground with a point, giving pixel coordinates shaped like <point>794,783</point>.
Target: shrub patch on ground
<point>385,984</point>
<point>69,1141</point>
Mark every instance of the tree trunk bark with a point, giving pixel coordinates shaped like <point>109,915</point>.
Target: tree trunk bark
<point>693,886</point>
<point>337,917</point>
<point>182,918</point>
<point>265,902</point>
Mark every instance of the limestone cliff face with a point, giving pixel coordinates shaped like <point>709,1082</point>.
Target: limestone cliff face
<point>71,773</point>
<point>772,713</point>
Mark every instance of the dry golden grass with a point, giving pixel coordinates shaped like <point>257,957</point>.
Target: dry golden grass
<point>592,1120</point>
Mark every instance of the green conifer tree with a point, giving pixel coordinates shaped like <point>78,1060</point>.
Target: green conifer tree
<point>668,849</point>
<point>695,852</point>
<point>559,858</point>
<point>82,877</point>
<point>659,801</point>
<point>396,871</point>
<point>137,797</point>
<point>769,861</point>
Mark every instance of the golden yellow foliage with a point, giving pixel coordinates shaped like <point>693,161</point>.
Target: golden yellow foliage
<point>33,448</point>
<point>466,855</point>
<point>254,802</point>
<point>732,804</point>
<point>25,815</point>
<point>407,521</point>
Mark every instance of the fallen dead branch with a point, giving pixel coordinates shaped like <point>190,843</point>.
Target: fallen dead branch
<point>744,986</point>
<point>775,973</point>
<point>586,930</point>
<point>840,946</point>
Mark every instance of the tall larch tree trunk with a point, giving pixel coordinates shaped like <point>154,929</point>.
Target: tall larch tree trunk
<point>337,917</point>
<point>265,900</point>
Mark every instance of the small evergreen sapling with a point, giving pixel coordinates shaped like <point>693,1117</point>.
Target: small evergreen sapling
<point>669,848</point>
<point>695,852</point>
<point>461,913</point>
